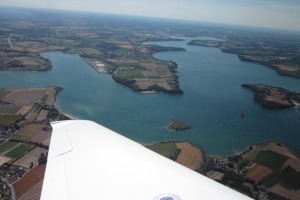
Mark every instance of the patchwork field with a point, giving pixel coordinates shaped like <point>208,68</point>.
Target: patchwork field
<point>258,172</point>
<point>25,133</point>
<point>30,185</point>
<point>270,159</point>
<point>7,146</point>
<point>276,167</point>
<point>284,192</point>
<point>29,131</point>
<point>31,157</point>
<point>189,156</point>
<point>25,97</point>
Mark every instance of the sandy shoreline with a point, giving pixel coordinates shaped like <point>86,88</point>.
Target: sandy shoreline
<point>69,116</point>
<point>57,106</point>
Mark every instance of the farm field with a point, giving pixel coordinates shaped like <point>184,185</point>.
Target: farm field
<point>18,151</point>
<point>189,156</point>
<point>164,149</point>
<point>276,167</point>
<point>258,172</point>
<point>271,159</point>
<point>30,186</point>
<point>7,120</point>
<point>25,131</point>
<point>7,146</point>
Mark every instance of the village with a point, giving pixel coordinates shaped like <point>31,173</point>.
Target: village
<point>25,133</point>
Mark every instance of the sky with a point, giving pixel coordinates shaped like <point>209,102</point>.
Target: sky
<point>282,14</point>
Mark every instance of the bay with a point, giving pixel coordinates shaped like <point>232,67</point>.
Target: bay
<point>212,102</point>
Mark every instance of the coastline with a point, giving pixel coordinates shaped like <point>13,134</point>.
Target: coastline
<point>71,117</point>
<point>284,69</point>
<point>67,115</point>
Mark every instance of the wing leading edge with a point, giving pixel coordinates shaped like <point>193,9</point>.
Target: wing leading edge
<point>89,161</point>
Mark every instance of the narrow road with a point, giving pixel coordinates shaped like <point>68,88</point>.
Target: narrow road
<point>9,42</point>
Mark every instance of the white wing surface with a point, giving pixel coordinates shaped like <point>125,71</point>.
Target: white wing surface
<point>89,161</point>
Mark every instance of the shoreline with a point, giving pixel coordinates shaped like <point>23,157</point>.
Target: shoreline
<point>241,152</point>
<point>250,58</point>
<point>71,117</point>
<point>58,108</point>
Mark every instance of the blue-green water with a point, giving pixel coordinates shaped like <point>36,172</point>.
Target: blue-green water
<point>211,104</point>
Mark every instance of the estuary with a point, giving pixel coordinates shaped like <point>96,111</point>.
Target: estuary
<point>212,102</point>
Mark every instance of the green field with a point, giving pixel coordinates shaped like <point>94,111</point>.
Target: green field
<point>83,51</point>
<point>59,41</point>
<point>6,146</point>
<point>288,178</point>
<point>162,70</point>
<point>271,179</point>
<point>165,149</point>
<point>8,110</point>
<point>7,120</point>
<point>3,93</point>
<point>18,151</point>
<point>130,74</point>
<point>271,159</point>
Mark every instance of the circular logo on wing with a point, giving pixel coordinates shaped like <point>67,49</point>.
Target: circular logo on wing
<point>167,197</point>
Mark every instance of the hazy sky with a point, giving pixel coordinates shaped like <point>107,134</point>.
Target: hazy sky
<point>267,13</point>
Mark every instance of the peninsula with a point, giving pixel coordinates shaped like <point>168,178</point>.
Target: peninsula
<point>273,97</point>
<point>112,46</point>
<point>106,45</point>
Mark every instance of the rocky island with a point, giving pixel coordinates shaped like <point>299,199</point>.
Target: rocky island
<point>273,97</point>
<point>178,125</point>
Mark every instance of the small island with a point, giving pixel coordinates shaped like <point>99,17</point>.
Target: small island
<point>273,97</point>
<point>176,125</point>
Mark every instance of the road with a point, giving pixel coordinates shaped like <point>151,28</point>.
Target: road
<point>9,42</point>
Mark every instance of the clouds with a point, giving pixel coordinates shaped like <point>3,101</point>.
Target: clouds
<point>268,13</point>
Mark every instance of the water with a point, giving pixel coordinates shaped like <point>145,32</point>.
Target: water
<point>211,104</point>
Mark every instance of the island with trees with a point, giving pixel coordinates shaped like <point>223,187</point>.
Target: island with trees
<point>177,125</point>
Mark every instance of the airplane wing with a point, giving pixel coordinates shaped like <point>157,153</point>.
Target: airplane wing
<point>89,161</point>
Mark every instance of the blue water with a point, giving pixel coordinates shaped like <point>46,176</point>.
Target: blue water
<point>211,104</point>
